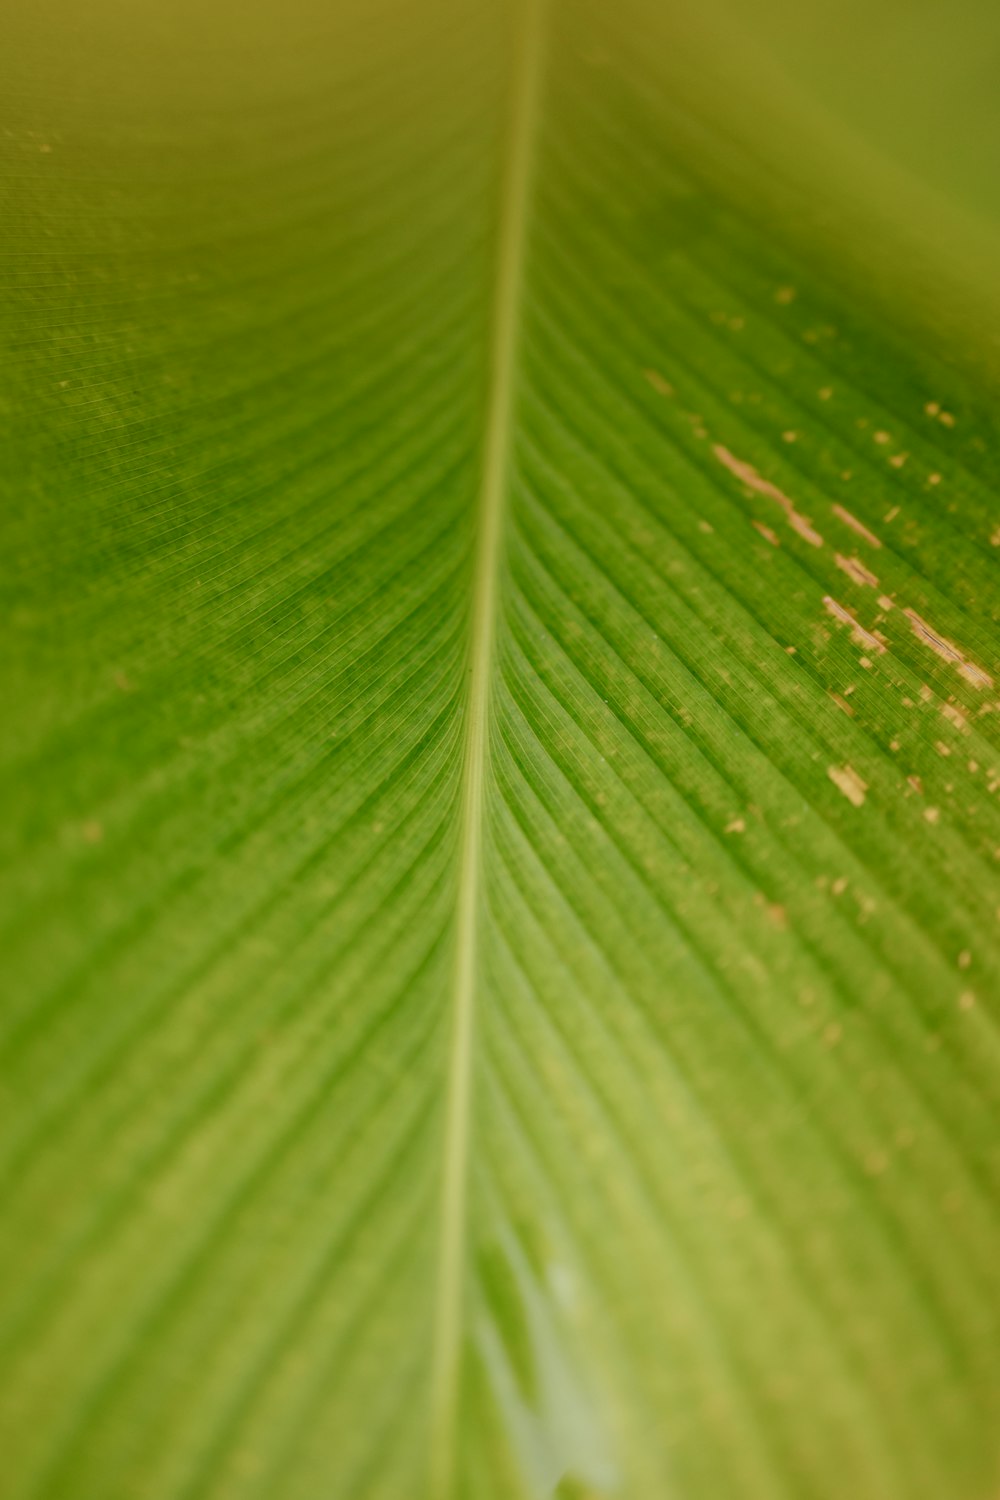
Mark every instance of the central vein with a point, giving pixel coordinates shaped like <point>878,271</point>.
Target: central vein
<point>491,508</point>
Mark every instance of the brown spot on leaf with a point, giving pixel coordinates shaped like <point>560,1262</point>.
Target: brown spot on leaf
<point>749,476</point>
<point>660,386</point>
<point>856,526</point>
<point>766,533</point>
<point>947,650</point>
<point>847,780</point>
<point>856,571</point>
<point>859,635</point>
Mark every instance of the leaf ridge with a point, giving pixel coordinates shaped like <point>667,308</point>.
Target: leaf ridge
<point>491,517</point>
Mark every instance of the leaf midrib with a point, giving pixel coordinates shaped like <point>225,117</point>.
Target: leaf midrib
<point>491,512</point>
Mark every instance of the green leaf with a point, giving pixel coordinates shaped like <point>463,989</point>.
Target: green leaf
<point>500,765</point>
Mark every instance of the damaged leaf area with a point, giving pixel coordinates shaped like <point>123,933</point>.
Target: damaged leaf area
<point>500,769</point>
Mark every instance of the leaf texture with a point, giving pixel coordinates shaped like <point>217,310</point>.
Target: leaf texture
<point>500,792</point>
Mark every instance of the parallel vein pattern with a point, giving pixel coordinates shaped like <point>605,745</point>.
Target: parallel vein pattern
<point>500,838</point>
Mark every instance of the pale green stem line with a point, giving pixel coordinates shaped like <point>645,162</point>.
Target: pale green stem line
<point>491,510</point>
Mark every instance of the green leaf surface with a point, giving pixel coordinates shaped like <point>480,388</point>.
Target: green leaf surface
<point>499,771</point>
